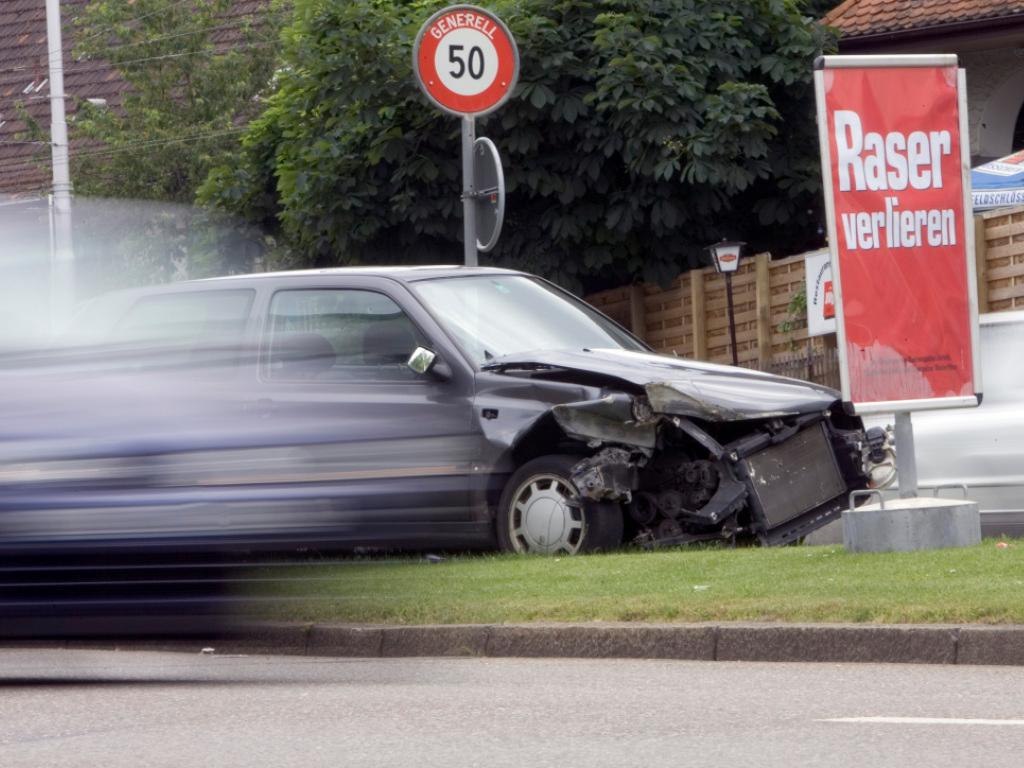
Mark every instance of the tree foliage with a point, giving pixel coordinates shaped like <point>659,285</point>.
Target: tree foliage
<point>194,72</point>
<point>641,131</point>
<point>186,98</point>
<point>818,8</point>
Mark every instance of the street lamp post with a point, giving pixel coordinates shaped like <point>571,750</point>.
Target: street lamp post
<point>726,257</point>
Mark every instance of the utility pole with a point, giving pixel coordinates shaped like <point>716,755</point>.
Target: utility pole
<point>62,256</point>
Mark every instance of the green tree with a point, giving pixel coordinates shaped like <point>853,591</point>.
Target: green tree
<point>187,97</point>
<point>641,131</point>
<point>818,8</point>
<point>195,71</point>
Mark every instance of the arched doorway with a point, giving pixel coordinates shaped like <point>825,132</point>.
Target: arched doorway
<point>1002,126</point>
<point>1018,131</point>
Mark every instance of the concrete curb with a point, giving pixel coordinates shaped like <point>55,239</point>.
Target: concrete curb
<point>903,644</point>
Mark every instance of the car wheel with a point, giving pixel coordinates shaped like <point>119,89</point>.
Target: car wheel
<point>540,512</point>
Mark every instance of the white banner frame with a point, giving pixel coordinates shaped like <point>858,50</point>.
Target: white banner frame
<point>903,60</point>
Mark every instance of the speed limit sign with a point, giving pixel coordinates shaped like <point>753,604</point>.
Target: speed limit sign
<point>466,60</point>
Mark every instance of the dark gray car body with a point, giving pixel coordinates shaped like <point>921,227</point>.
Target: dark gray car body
<point>217,454</point>
<point>134,478</point>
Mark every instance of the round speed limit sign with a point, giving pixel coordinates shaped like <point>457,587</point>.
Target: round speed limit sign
<point>466,60</point>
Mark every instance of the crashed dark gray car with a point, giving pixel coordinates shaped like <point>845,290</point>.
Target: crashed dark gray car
<point>422,407</point>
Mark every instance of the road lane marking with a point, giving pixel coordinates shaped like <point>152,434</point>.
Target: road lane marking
<point>922,720</point>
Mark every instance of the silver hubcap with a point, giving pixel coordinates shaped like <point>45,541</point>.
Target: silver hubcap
<point>543,520</point>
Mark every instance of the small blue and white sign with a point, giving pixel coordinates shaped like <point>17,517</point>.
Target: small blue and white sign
<point>999,183</point>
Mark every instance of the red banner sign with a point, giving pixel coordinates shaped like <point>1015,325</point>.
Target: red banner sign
<point>898,233</point>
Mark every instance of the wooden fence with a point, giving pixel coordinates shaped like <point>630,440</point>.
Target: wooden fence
<point>813,364</point>
<point>690,317</point>
<point>1000,258</point>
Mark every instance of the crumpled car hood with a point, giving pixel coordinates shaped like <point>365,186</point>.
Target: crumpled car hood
<point>684,387</point>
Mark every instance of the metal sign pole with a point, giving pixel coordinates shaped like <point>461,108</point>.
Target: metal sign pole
<point>905,461</point>
<point>468,191</point>
<point>467,63</point>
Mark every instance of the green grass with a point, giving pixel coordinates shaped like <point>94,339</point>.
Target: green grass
<point>809,584</point>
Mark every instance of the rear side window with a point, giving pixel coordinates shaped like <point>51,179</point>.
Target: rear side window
<point>200,318</point>
<point>339,335</point>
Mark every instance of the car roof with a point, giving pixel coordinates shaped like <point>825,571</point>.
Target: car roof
<point>406,274</point>
<point>402,274</point>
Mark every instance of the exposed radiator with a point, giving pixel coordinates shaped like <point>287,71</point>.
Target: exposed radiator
<point>795,476</point>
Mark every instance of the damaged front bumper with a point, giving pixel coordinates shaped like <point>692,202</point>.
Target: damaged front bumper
<point>774,475</point>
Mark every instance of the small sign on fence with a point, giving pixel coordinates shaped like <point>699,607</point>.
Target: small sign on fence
<point>821,296</point>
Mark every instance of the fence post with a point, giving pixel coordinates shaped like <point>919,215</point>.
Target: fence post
<point>763,300</point>
<point>637,314</point>
<point>700,332</point>
<point>981,262</point>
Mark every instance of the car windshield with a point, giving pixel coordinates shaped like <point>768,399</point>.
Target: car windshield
<point>491,316</point>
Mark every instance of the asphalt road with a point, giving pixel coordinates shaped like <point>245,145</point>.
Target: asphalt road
<point>109,709</point>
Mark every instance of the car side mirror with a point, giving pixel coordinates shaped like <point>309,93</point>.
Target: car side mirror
<point>424,361</point>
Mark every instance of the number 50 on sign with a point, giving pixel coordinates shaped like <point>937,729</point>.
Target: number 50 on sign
<point>466,60</point>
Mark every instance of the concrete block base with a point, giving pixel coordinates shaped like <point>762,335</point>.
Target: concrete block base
<point>908,524</point>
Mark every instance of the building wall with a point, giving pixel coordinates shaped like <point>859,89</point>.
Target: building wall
<point>995,94</point>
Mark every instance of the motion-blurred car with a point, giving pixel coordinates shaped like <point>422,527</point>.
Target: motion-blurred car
<point>425,407</point>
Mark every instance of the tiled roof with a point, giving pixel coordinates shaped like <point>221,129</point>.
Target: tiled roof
<point>25,167</point>
<point>23,70</point>
<point>871,17</point>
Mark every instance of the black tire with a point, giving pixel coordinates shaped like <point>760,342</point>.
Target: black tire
<point>543,481</point>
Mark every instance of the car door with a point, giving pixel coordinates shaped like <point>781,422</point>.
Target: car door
<point>386,453</point>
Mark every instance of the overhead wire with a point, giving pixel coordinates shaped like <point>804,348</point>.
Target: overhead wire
<point>236,23</point>
<point>157,12</point>
<point>53,51</point>
<point>15,101</point>
<point>85,64</point>
<point>208,51</point>
<point>127,147</point>
<point>39,163</point>
<point>149,143</point>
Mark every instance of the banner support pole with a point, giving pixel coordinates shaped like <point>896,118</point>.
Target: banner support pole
<point>906,463</point>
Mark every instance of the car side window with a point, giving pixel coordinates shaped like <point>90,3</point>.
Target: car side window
<point>192,320</point>
<point>338,335</point>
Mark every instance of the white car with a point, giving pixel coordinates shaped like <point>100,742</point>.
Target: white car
<point>981,448</point>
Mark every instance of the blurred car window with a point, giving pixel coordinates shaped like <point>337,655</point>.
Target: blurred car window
<point>340,334</point>
<point>200,317</point>
<point>95,319</point>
